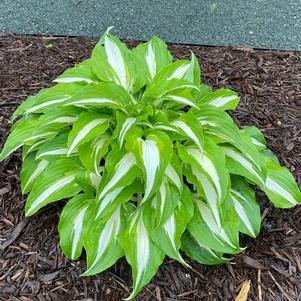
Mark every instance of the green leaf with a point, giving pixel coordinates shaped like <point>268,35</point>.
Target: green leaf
<point>245,205</point>
<point>73,224</point>
<point>256,137</point>
<point>218,124</point>
<point>189,126</point>
<point>280,186</point>
<point>209,172</point>
<point>89,125</point>
<point>53,148</point>
<point>182,69</point>
<point>225,99</point>
<point>112,62</point>
<point>91,152</point>
<point>124,124</point>
<point>101,244</point>
<point>140,251</point>
<point>153,155</point>
<point>162,204</point>
<point>21,131</point>
<point>169,89</point>
<point>152,57</point>
<point>168,236</point>
<point>121,170</point>
<point>100,95</point>
<point>81,72</point>
<point>31,169</point>
<point>57,182</point>
<point>206,231</point>
<point>239,164</point>
<point>113,199</point>
<point>200,253</point>
<point>53,97</point>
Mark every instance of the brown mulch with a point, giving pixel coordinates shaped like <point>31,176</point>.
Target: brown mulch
<point>32,266</point>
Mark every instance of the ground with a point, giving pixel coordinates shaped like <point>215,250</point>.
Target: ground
<point>33,267</point>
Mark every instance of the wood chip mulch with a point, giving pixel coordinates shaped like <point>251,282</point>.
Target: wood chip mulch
<point>32,266</point>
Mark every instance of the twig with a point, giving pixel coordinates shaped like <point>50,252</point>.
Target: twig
<point>259,285</point>
<point>280,287</point>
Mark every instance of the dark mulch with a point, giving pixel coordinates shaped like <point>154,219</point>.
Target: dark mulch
<point>32,266</point>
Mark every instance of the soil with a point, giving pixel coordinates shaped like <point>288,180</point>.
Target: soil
<point>32,265</point>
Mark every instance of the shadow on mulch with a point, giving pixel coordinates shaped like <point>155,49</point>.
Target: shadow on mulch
<point>32,266</point>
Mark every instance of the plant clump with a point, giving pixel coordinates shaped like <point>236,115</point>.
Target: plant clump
<point>148,158</point>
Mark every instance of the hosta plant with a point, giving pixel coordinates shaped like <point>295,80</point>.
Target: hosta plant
<point>148,159</point>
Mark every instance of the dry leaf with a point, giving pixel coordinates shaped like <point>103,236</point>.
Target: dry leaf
<point>243,294</point>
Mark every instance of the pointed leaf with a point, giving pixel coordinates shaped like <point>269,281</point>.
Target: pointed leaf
<point>112,62</point>
<point>91,152</point>
<point>81,72</point>
<point>89,125</point>
<point>153,155</point>
<point>246,207</point>
<point>225,99</point>
<point>101,243</point>
<point>152,57</point>
<point>31,169</point>
<point>56,183</point>
<point>189,126</point>
<point>51,98</point>
<point>73,223</point>
<point>206,231</point>
<point>168,236</point>
<point>141,253</point>
<point>121,171</point>
<point>203,255</point>
<point>98,95</point>
<point>238,164</point>
<point>280,186</point>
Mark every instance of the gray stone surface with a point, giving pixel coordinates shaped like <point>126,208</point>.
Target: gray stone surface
<point>274,24</point>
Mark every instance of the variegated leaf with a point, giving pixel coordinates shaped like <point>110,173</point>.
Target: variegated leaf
<point>189,126</point>
<point>56,183</point>
<point>140,251</point>
<point>53,97</point>
<point>31,170</point>
<point>239,164</point>
<point>113,199</point>
<point>73,224</point>
<point>256,136</point>
<point>91,152</point>
<point>245,205</point>
<point>280,186</point>
<point>183,69</point>
<point>89,125</point>
<point>21,131</point>
<point>100,95</point>
<point>218,125</point>
<point>152,57</point>
<point>81,72</point>
<point>153,155</point>
<point>206,231</point>
<point>101,243</point>
<point>121,171</point>
<point>225,99</point>
<point>112,62</point>
<point>163,203</point>
<point>158,91</point>
<point>168,236</point>
<point>208,171</point>
<point>200,253</point>
<point>53,148</point>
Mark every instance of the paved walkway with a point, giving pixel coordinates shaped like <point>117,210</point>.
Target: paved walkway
<point>272,24</point>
